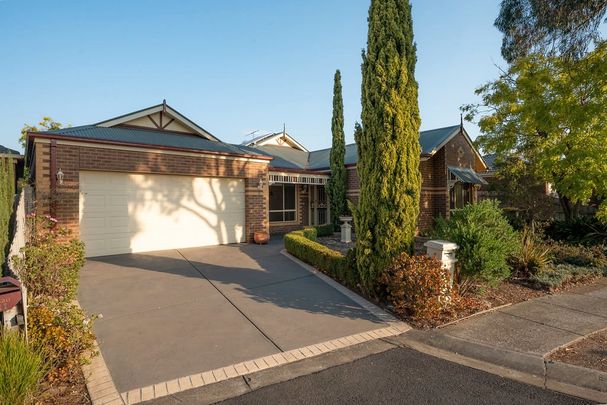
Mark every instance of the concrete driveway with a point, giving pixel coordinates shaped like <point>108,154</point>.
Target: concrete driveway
<point>174,313</point>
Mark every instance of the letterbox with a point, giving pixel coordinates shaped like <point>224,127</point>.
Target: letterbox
<point>10,293</point>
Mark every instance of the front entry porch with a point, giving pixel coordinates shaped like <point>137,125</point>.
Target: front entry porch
<point>297,200</point>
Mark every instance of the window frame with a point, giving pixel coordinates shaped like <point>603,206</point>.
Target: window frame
<point>284,210</point>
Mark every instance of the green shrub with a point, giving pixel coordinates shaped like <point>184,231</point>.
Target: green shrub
<point>50,260</point>
<point>485,240</point>
<point>586,230</point>
<point>578,255</point>
<point>65,333</point>
<point>418,286</point>
<point>322,258</point>
<point>310,233</point>
<point>533,255</point>
<point>557,275</point>
<point>22,368</point>
<point>324,230</point>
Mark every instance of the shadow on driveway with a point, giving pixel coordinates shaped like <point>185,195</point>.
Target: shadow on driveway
<point>173,313</point>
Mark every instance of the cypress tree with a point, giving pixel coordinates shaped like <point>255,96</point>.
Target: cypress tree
<point>338,181</point>
<point>388,147</point>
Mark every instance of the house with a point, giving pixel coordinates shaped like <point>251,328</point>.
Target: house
<point>153,180</point>
<point>15,158</point>
<point>449,166</point>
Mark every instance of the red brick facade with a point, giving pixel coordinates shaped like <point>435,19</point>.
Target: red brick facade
<point>71,159</point>
<point>434,199</point>
<point>64,202</point>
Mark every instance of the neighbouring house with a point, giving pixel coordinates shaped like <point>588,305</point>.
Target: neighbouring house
<point>532,199</point>
<point>13,157</point>
<point>153,180</point>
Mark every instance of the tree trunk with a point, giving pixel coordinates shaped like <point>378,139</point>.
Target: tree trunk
<point>568,209</point>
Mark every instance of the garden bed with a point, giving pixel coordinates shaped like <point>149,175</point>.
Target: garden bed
<point>590,352</point>
<point>509,292</point>
<point>334,242</point>
<point>72,392</point>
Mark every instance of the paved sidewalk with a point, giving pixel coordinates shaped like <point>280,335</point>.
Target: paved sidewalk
<point>520,337</point>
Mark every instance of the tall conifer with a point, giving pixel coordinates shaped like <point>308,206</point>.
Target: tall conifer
<point>337,183</point>
<point>388,147</point>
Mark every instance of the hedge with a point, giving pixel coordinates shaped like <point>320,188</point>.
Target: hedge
<point>302,245</point>
<point>324,230</point>
<point>7,198</point>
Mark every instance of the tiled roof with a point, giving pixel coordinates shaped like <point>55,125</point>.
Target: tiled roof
<point>147,137</point>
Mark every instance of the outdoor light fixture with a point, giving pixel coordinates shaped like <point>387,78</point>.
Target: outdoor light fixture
<point>260,185</point>
<point>304,188</point>
<point>60,177</point>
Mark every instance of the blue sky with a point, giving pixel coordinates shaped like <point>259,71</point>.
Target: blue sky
<point>231,66</point>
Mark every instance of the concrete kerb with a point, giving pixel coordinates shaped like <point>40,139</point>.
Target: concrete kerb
<point>530,369</point>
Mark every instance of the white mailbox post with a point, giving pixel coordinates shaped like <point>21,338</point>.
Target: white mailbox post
<point>346,229</point>
<point>445,252</point>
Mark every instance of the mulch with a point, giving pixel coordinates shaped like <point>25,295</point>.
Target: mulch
<point>64,392</point>
<point>590,352</point>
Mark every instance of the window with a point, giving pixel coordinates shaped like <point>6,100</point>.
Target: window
<point>282,203</point>
<point>460,195</point>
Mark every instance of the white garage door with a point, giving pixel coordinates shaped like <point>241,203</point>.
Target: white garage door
<point>128,213</point>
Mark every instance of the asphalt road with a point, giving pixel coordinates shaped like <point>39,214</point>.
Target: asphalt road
<point>402,376</point>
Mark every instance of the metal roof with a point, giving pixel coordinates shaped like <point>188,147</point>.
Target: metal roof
<point>490,161</point>
<point>142,136</point>
<point>466,175</point>
<point>289,158</point>
<point>8,151</point>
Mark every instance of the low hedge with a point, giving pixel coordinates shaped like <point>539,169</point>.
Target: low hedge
<point>302,244</point>
<point>324,230</point>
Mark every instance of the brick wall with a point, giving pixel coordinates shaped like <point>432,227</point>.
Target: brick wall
<point>353,186</point>
<point>71,159</point>
<point>434,194</point>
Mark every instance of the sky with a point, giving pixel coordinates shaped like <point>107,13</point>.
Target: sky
<point>233,66</point>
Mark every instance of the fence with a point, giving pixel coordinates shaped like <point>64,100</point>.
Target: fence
<point>17,316</point>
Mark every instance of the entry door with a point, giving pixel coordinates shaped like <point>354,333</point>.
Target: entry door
<point>128,213</point>
<point>319,206</point>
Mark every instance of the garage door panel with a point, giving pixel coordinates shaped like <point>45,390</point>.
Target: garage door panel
<point>141,213</point>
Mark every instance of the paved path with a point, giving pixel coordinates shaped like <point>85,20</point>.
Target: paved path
<point>521,337</point>
<point>540,325</point>
<point>179,313</point>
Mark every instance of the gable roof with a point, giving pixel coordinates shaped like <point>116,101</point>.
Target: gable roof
<point>431,141</point>
<point>146,137</point>
<point>281,137</point>
<point>165,109</point>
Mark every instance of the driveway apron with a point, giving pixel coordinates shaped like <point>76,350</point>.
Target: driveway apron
<point>173,313</point>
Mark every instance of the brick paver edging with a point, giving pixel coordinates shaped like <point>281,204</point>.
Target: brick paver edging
<point>99,382</point>
<point>394,327</point>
